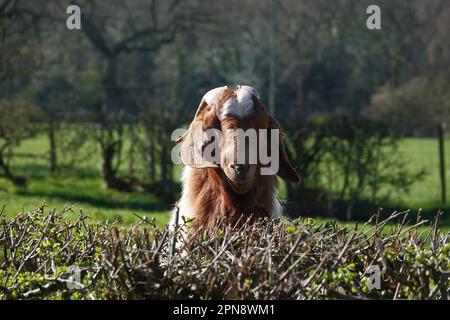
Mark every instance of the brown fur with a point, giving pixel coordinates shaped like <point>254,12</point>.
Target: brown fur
<point>215,200</point>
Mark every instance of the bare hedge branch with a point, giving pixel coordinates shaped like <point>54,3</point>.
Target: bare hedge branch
<point>297,259</point>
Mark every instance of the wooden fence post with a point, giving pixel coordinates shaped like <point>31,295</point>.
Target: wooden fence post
<point>442,170</point>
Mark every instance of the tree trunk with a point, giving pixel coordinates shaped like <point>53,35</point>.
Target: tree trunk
<point>52,151</point>
<point>107,123</point>
<point>8,174</point>
<point>163,164</point>
<point>152,158</point>
<point>108,172</point>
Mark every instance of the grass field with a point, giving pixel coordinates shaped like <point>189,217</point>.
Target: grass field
<point>81,187</point>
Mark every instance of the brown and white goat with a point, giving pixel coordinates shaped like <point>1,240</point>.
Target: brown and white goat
<point>227,190</point>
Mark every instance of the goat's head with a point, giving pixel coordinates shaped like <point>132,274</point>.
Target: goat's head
<point>221,114</point>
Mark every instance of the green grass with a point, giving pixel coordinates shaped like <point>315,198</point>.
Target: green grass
<point>423,153</point>
<point>82,186</point>
<point>86,194</point>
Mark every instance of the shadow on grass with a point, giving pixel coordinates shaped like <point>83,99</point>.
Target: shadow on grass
<point>82,185</point>
<point>36,171</point>
<point>363,210</point>
<point>427,213</point>
<point>104,201</point>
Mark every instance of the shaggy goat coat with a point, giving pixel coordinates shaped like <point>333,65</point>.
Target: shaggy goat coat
<point>207,197</point>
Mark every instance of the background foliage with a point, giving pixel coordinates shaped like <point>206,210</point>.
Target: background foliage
<point>86,115</point>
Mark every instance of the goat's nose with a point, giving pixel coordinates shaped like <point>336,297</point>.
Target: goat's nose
<point>240,168</point>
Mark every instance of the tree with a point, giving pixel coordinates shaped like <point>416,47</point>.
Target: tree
<point>115,33</point>
<point>17,123</point>
<point>53,96</point>
<point>345,162</point>
<point>414,108</point>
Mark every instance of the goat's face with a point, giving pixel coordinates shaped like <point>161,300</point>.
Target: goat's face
<point>229,113</point>
<point>239,174</point>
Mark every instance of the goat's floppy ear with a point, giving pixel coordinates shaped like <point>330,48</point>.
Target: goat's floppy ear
<point>200,108</point>
<point>285,171</point>
<point>193,144</point>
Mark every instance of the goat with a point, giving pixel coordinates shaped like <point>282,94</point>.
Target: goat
<point>227,190</point>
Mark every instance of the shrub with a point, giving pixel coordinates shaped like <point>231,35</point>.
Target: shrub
<point>345,161</point>
<point>297,259</point>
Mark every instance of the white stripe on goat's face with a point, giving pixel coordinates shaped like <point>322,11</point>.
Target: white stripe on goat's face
<point>240,105</point>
